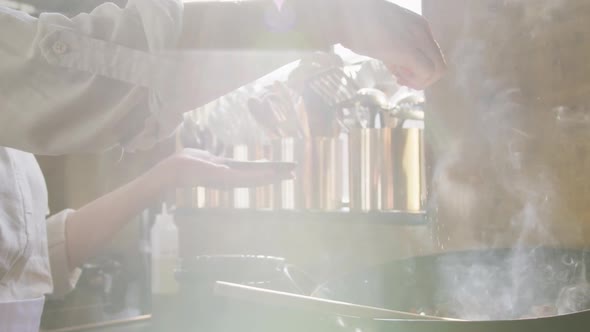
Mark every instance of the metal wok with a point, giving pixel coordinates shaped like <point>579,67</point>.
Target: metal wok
<point>539,289</point>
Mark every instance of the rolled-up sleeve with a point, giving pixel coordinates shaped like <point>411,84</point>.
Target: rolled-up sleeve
<point>64,277</point>
<point>87,83</point>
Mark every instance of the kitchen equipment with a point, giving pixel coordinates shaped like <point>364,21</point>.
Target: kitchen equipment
<point>577,322</point>
<point>364,155</point>
<point>268,271</point>
<point>264,117</point>
<point>105,291</point>
<point>307,303</point>
<point>305,110</point>
<point>377,103</point>
<point>405,106</point>
<point>574,322</point>
<point>386,169</point>
<point>498,290</point>
<point>412,281</point>
<point>386,172</point>
<point>255,198</point>
<point>324,94</point>
<point>197,136</point>
<point>164,253</point>
<point>197,308</point>
<point>319,175</point>
<point>276,112</point>
<point>419,284</point>
<point>199,197</point>
<point>333,86</point>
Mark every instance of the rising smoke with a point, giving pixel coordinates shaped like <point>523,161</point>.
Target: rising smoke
<point>527,280</point>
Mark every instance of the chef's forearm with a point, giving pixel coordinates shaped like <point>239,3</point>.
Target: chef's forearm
<point>91,227</point>
<point>258,24</point>
<point>244,40</point>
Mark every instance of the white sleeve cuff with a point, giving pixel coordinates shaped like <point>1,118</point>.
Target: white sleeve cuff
<point>64,277</point>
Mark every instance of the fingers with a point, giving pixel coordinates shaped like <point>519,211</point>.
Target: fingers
<point>228,178</point>
<point>415,58</point>
<point>417,70</point>
<point>278,167</point>
<point>417,63</point>
<point>253,174</point>
<point>431,50</point>
<point>203,155</point>
<point>232,178</point>
<point>225,173</point>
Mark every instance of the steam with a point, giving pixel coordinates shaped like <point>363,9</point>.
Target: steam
<point>535,17</point>
<point>576,297</point>
<point>541,12</point>
<point>527,280</point>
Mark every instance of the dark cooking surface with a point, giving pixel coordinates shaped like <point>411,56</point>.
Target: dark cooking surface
<point>476,285</point>
<point>405,285</point>
<point>573,323</point>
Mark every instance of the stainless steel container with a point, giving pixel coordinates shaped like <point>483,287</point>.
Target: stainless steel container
<point>319,175</point>
<point>386,169</point>
<point>210,198</point>
<point>386,172</point>
<point>252,198</point>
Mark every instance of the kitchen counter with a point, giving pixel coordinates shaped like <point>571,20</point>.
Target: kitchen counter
<point>140,324</point>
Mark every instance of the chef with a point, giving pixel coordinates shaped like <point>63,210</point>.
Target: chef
<point>122,78</point>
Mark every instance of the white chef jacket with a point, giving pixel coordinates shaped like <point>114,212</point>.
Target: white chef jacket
<point>73,85</point>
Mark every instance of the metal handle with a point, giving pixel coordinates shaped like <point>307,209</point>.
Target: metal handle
<point>308,303</point>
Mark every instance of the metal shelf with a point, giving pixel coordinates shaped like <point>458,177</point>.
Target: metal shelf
<point>400,218</point>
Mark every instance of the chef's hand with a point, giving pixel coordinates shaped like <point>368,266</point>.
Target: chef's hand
<point>399,37</point>
<point>192,167</point>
